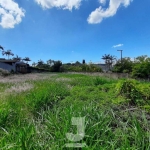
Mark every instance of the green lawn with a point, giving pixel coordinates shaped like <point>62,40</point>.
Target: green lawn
<point>36,112</point>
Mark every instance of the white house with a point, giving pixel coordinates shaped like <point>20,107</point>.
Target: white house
<point>13,65</point>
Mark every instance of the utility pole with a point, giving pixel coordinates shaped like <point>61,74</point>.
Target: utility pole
<point>121,54</point>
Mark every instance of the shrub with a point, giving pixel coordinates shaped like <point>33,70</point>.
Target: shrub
<point>100,81</point>
<point>4,72</point>
<point>129,89</point>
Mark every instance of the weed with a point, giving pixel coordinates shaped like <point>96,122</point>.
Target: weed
<point>40,117</point>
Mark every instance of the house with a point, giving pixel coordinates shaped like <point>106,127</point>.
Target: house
<point>104,67</point>
<point>14,66</point>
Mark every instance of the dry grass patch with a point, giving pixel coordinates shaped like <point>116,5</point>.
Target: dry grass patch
<point>26,77</point>
<point>18,88</point>
<point>63,79</point>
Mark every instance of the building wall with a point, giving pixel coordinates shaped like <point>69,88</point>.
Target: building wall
<point>8,67</point>
<point>104,67</point>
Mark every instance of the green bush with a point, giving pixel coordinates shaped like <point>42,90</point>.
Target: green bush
<point>141,70</point>
<point>129,89</point>
<point>82,68</point>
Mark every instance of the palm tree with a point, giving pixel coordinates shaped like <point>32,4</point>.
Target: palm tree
<point>7,53</point>
<point>112,58</point>
<point>26,59</point>
<point>17,58</point>
<point>1,47</point>
<point>108,60</point>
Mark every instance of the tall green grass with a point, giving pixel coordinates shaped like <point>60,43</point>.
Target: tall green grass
<point>40,118</point>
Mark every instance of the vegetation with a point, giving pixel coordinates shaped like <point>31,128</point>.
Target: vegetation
<point>4,72</point>
<point>1,47</point>
<point>123,66</point>
<point>76,67</point>
<point>27,59</point>
<point>109,60</point>
<point>8,53</point>
<point>17,58</point>
<point>139,68</point>
<point>38,116</point>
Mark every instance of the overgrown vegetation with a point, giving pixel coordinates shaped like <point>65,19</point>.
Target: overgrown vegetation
<point>116,113</point>
<point>138,68</point>
<point>4,72</point>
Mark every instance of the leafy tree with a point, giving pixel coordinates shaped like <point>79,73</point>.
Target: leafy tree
<point>141,67</point>
<point>94,68</point>
<point>50,62</point>
<point>34,64</point>
<point>69,64</point>
<point>7,53</point>
<point>57,65</point>
<point>141,59</point>
<point>124,66</point>
<point>77,63</point>
<point>40,63</point>
<point>91,68</point>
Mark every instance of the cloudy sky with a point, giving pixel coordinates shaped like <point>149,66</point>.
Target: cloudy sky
<point>71,30</point>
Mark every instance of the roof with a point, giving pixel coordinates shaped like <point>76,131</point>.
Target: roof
<point>8,61</point>
<point>21,64</point>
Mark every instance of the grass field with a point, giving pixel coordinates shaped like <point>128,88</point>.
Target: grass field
<point>36,112</point>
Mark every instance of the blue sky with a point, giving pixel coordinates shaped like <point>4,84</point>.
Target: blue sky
<point>73,30</point>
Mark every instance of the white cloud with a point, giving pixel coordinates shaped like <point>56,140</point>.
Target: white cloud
<point>119,45</point>
<point>10,13</point>
<point>99,13</point>
<point>64,4</point>
<point>102,1</point>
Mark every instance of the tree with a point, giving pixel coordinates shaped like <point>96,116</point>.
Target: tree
<point>50,62</point>
<point>7,53</point>
<point>123,66</point>
<point>1,47</point>
<point>141,67</point>
<point>34,64</point>
<point>106,58</point>
<point>17,58</point>
<point>26,59</point>
<point>77,63</point>
<point>141,59</point>
<point>109,59</point>
<point>40,63</point>
<point>57,65</point>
